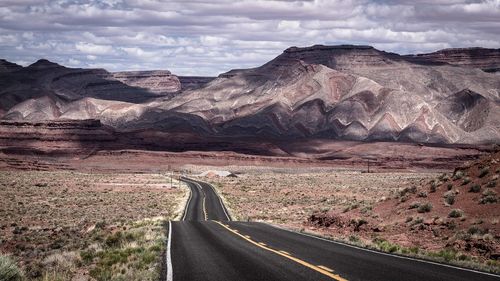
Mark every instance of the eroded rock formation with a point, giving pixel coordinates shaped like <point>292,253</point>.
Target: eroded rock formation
<point>320,92</point>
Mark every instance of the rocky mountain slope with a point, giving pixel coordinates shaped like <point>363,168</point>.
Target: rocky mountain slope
<point>194,82</point>
<point>47,80</point>
<point>486,59</point>
<point>321,92</point>
<point>350,92</point>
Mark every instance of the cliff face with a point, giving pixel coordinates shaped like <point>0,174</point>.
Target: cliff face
<point>160,82</point>
<point>194,82</point>
<point>486,59</point>
<point>62,136</point>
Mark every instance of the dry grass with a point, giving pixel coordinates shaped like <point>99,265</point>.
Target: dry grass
<point>49,219</point>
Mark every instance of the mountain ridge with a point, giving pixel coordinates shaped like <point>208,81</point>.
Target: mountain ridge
<point>344,92</point>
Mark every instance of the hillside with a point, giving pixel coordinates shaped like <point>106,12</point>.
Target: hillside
<point>455,215</point>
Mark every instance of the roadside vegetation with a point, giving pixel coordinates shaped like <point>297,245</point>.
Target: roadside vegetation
<point>69,225</point>
<point>453,218</point>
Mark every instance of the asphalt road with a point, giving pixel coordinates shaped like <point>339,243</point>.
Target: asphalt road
<point>207,245</point>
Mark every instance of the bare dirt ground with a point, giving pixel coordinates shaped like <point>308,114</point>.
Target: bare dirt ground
<point>289,196</point>
<point>66,225</point>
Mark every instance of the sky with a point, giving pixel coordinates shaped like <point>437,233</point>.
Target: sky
<point>201,37</point>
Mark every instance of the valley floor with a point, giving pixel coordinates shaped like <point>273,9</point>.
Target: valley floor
<point>103,216</point>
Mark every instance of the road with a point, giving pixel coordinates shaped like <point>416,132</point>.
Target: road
<point>207,245</point>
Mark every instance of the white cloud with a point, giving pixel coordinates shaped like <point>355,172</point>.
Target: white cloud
<point>74,62</point>
<point>208,37</point>
<point>94,49</point>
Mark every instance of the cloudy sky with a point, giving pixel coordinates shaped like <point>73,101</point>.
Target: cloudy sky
<point>202,37</point>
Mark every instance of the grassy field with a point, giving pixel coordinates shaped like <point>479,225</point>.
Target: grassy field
<point>82,226</point>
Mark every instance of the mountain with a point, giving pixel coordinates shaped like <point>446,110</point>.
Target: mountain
<point>44,79</point>
<point>320,92</point>
<point>349,92</point>
<point>486,59</point>
<point>6,66</point>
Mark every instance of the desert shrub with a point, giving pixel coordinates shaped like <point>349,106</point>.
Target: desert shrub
<point>87,256</point>
<point>491,184</point>
<point>458,175</point>
<point>407,190</point>
<point>366,209</point>
<point>489,196</point>
<point>466,181</point>
<point>114,240</point>
<point>489,192</point>
<point>422,194</point>
<point>455,213</point>
<point>9,270</point>
<point>58,266</point>
<point>434,185</point>
<point>475,188</point>
<point>449,198</point>
<point>408,219</point>
<point>484,171</point>
<point>425,208</point>
<point>446,254</point>
<point>475,230</point>
<point>488,200</point>
<point>357,223</point>
<point>449,186</point>
<point>443,177</point>
<point>354,238</point>
<point>351,207</point>
<point>451,225</point>
<point>386,246</point>
<point>414,205</point>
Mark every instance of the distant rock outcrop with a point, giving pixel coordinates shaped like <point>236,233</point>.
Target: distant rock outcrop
<point>483,58</point>
<point>160,82</point>
<point>194,82</point>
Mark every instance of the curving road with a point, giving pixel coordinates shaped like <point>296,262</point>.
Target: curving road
<point>207,245</point>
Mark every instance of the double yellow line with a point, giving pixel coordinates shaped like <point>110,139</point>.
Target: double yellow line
<point>321,269</point>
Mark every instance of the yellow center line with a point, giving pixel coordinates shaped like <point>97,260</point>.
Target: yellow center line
<point>285,252</point>
<point>204,209</point>
<point>325,268</point>
<point>288,256</point>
